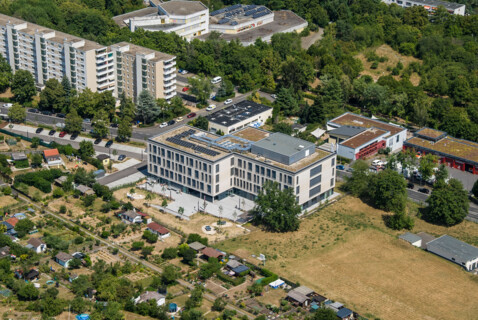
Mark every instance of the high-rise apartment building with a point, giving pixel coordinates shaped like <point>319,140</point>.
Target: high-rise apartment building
<point>139,68</point>
<point>48,54</point>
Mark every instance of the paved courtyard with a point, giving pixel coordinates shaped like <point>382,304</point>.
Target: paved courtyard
<point>224,208</point>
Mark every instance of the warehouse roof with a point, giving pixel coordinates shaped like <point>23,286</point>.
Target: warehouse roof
<point>454,247</point>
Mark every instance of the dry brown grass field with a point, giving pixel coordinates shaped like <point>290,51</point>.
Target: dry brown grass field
<point>346,253</point>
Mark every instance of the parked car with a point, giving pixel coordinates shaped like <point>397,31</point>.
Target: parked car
<point>377,163</point>
<point>211,107</point>
<point>228,101</point>
<point>171,122</point>
<point>114,125</point>
<point>121,157</point>
<point>46,112</point>
<point>424,190</point>
<point>216,80</point>
<point>164,124</point>
<point>109,143</point>
<point>350,169</point>
<point>32,110</point>
<point>179,119</point>
<point>191,115</point>
<point>97,141</point>
<point>39,130</point>
<point>52,132</point>
<point>8,105</point>
<point>185,89</point>
<point>411,185</point>
<point>273,96</point>
<point>61,115</point>
<point>86,120</point>
<point>74,136</point>
<point>182,71</point>
<point>62,134</point>
<point>340,167</point>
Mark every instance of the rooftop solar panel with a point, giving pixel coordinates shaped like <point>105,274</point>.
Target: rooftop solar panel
<point>261,9</point>
<point>215,13</point>
<point>234,23</point>
<point>224,20</point>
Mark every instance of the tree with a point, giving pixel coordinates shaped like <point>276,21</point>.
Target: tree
<point>287,101</point>
<point>201,88</point>
<point>74,264</point>
<point>125,129</point>
<point>68,91</point>
<point>400,220</point>
<point>192,314</point>
<point>427,165</point>
<point>194,237</point>
<point>137,245</point>
<point>169,275</point>
<point>52,97</point>
<point>78,305</point>
<point>28,292</point>
<point>282,127</point>
<point>101,124</point>
<point>5,74</point>
<point>297,73</point>
<point>169,253</point>
<point>146,251</point>
<point>387,189</point>
<point>448,203</point>
<point>357,183</point>
<point>324,314</point>
<point>219,304</point>
<point>23,227</point>
<point>201,123</point>
<point>86,149</point>
<point>441,174</point>
<point>276,209</point>
<point>127,107</point>
<point>195,299</point>
<point>150,237</point>
<point>17,113</point>
<point>35,142</point>
<point>147,108</point>
<point>188,255</point>
<point>73,122</point>
<point>23,86</point>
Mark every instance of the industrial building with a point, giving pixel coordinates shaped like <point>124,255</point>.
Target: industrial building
<point>50,54</point>
<point>211,167</point>
<point>188,19</point>
<point>238,116</point>
<point>358,137</point>
<point>431,5</point>
<point>452,152</point>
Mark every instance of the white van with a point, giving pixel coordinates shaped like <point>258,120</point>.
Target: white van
<point>216,80</point>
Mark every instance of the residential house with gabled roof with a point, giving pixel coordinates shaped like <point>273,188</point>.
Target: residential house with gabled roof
<point>158,229</point>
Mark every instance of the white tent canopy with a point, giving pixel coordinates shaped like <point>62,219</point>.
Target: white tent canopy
<point>276,284</point>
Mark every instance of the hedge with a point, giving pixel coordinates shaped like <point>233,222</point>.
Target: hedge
<point>234,281</point>
<point>41,180</point>
<point>269,277</point>
<point>20,164</point>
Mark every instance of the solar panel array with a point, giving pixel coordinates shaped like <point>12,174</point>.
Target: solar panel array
<point>215,13</point>
<point>261,9</point>
<point>234,23</point>
<point>234,7</point>
<point>178,139</point>
<point>224,20</point>
<point>260,14</point>
<point>250,12</point>
<point>250,7</point>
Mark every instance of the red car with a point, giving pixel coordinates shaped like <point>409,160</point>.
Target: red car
<point>185,89</point>
<point>191,115</point>
<point>62,134</point>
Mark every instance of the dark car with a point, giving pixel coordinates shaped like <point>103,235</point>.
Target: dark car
<point>171,122</point>
<point>411,185</point>
<point>46,112</point>
<point>121,157</point>
<point>39,130</point>
<point>109,143</point>
<point>191,115</point>
<point>61,115</point>
<point>98,140</point>
<point>62,134</point>
<point>33,110</point>
<point>74,136</point>
<point>340,167</point>
<point>424,190</point>
<point>114,125</point>
<point>52,132</point>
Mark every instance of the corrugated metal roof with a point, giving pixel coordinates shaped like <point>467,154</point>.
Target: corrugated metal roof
<point>454,247</point>
<point>410,237</point>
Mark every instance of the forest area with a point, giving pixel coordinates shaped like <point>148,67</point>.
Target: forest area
<point>446,97</point>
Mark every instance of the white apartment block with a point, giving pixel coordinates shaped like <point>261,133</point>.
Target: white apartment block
<point>212,167</point>
<point>139,68</point>
<point>431,5</point>
<point>48,54</point>
<point>188,19</point>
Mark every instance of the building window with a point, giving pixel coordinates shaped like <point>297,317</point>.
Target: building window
<point>333,162</point>
<point>257,168</point>
<point>268,173</point>
<point>273,175</point>
<point>332,182</point>
<point>316,170</point>
<point>315,181</point>
<point>217,178</point>
<point>217,188</point>
<point>398,138</point>
<point>204,167</point>
<point>314,191</point>
<point>217,167</point>
<point>250,166</point>
<point>289,179</point>
<point>209,188</point>
<point>297,190</point>
<point>249,176</point>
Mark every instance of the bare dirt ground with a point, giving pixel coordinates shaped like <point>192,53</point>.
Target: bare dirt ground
<point>393,58</point>
<point>7,201</point>
<point>346,253</point>
<point>105,256</point>
<point>71,165</point>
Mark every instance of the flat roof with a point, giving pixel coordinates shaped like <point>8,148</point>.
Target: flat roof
<point>252,134</point>
<point>145,12</point>
<point>463,150</point>
<point>283,144</point>
<point>238,14</point>
<point>410,237</point>
<point>182,8</point>
<point>352,119</point>
<point>348,131</point>
<point>436,3</point>
<point>454,247</point>
<point>283,21</point>
<point>430,133</point>
<point>135,49</point>
<point>237,112</point>
<point>60,37</point>
<point>363,138</point>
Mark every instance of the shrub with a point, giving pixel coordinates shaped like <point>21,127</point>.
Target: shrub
<point>62,208</point>
<point>374,65</point>
<point>57,193</point>
<point>169,253</point>
<point>20,164</point>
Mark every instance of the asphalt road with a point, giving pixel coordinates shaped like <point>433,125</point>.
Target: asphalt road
<point>123,173</point>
